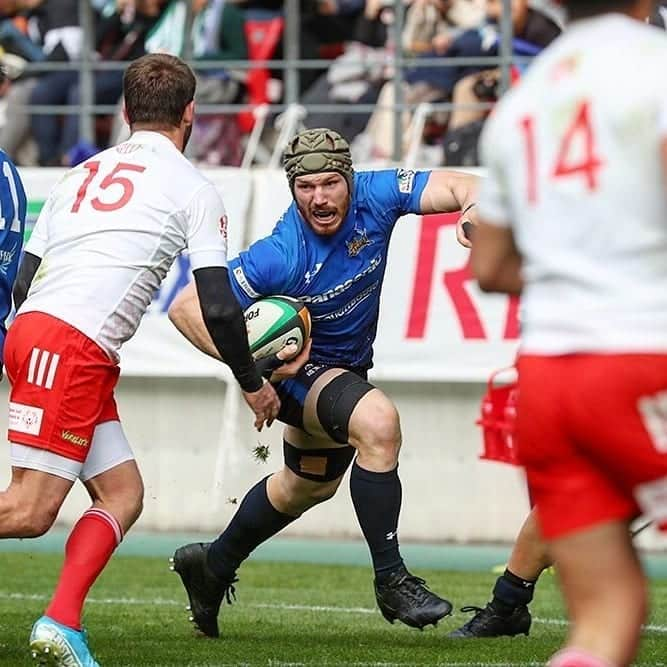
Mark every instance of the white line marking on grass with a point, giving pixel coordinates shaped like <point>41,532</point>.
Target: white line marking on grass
<point>163,602</point>
<point>174,603</point>
<point>307,607</point>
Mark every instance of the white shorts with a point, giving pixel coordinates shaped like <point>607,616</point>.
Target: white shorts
<point>109,448</point>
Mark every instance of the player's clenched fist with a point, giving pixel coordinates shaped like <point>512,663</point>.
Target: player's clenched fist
<point>264,403</point>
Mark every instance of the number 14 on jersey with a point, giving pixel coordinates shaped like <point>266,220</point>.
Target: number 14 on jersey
<point>577,152</point>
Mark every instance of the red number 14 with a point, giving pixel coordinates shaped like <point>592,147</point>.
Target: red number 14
<point>587,166</point>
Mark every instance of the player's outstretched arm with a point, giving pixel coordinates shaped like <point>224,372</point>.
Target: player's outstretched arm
<point>448,191</point>
<point>185,314</point>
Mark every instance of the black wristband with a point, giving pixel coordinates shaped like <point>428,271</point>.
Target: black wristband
<point>249,378</point>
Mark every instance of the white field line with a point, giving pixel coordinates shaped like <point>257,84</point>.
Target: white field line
<point>163,602</point>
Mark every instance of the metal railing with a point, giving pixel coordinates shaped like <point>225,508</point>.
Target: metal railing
<point>291,65</point>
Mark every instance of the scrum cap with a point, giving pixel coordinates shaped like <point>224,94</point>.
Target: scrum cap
<point>316,151</point>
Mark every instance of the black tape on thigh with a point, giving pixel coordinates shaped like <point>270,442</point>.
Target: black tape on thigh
<point>319,465</point>
<point>337,401</point>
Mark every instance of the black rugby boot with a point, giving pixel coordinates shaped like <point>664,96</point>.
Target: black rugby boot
<point>205,591</point>
<point>487,622</point>
<point>406,598</point>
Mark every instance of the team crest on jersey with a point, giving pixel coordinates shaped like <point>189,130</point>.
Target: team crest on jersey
<point>223,226</point>
<point>6,258</point>
<point>127,147</point>
<point>406,180</point>
<point>357,243</point>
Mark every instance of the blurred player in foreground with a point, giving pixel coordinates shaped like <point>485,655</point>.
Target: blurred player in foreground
<point>578,226</point>
<point>104,240</point>
<point>330,250</point>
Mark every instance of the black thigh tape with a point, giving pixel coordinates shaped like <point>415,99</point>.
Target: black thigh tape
<point>318,465</point>
<point>337,401</point>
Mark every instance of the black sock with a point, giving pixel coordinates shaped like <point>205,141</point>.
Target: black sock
<point>511,592</point>
<point>254,522</point>
<point>377,501</point>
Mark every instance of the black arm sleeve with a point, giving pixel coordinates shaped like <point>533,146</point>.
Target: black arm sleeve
<point>224,320</point>
<point>29,265</point>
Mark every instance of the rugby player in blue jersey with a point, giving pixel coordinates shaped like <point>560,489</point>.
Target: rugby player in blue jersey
<point>330,250</point>
<point>13,207</point>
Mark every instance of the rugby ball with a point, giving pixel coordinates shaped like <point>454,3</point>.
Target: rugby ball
<point>274,322</point>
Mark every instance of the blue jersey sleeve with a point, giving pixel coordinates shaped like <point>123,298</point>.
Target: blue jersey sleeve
<point>395,192</point>
<point>262,270</point>
<point>13,207</point>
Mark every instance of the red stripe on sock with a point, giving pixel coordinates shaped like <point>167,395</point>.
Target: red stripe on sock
<point>89,547</point>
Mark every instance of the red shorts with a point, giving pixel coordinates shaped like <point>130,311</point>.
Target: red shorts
<point>592,434</point>
<point>62,385</point>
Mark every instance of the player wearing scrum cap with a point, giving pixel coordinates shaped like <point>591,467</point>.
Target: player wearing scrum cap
<point>329,249</point>
<point>593,362</point>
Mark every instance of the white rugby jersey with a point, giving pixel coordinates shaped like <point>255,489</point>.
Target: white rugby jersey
<point>110,230</point>
<point>573,157</point>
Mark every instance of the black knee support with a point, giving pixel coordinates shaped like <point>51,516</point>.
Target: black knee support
<point>337,401</point>
<point>318,465</point>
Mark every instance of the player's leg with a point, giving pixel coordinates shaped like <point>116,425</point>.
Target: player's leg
<point>350,410</point>
<point>507,613</point>
<point>312,473</point>
<point>30,504</point>
<point>62,391</point>
<point>208,570</point>
<point>605,593</point>
<point>114,484</point>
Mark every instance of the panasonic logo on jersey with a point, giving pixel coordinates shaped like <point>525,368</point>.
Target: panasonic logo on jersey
<point>349,306</point>
<point>339,289</point>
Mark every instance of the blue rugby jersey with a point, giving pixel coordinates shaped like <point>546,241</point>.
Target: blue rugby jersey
<point>12,225</point>
<point>338,277</point>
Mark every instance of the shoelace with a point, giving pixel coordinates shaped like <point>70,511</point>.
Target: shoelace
<point>419,590</point>
<point>476,619</point>
<point>470,608</point>
<point>230,591</point>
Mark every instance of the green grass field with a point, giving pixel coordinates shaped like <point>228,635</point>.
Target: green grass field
<point>285,614</point>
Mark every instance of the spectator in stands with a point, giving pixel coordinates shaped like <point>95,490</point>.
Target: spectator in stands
<point>533,30</point>
<point>217,34</point>
<point>325,26</point>
<point>430,29</point>
<point>357,75</point>
<point>121,31</point>
<point>58,39</point>
<point>13,34</point>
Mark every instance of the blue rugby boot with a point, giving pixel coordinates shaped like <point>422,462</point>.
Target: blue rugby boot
<point>57,645</point>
